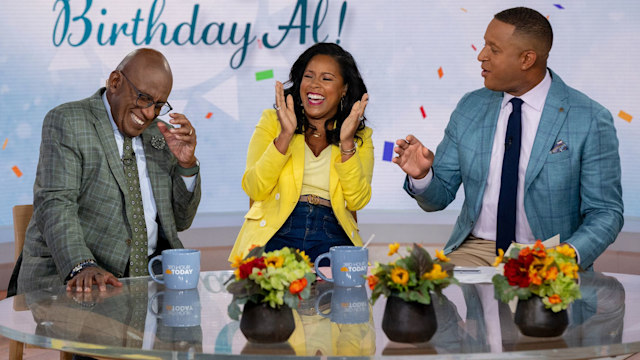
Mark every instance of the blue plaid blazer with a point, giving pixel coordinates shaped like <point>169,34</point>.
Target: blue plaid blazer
<point>576,193</point>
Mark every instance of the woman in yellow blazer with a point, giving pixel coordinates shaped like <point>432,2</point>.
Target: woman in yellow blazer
<point>310,161</point>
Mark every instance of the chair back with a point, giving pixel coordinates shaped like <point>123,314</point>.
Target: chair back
<point>21,217</point>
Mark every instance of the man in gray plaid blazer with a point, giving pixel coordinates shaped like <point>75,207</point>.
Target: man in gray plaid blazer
<point>568,179</point>
<point>80,232</point>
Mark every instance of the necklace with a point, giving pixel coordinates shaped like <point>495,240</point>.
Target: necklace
<point>316,134</point>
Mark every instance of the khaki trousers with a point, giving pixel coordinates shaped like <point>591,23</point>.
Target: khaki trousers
<point>474,252</point>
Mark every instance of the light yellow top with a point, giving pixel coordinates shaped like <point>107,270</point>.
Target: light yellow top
<point>315,179</point>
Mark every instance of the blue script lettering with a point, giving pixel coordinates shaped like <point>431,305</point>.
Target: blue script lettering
<point>317,23</point>
<point>183,34</point>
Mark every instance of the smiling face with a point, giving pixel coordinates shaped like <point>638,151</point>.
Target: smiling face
<point>502,59</point>
<point>150,74</point>
<point>321,88</point>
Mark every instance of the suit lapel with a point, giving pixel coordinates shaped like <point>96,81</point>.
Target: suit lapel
<point>555,112</point>
<point>488,129</point>
<point>105,134</point>
<point>297,157</point>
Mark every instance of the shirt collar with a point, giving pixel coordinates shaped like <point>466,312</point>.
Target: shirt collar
<point>534,97</point>
<point>108,107</point>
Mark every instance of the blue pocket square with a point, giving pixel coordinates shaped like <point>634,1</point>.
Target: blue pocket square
<point>559,147</point>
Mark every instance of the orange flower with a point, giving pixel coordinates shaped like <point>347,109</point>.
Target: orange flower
<point>400,276</point>
<point>551,273</point>
<point>538,249</point>
<point>499,258</point>
<point>373,281</point>
<point>253,247</point>
<point>441,256</point>
<point>393,248</point>
<point>555,299</point>
<point>297,286</point>
<point>534,277</point>
<point>436,273</point>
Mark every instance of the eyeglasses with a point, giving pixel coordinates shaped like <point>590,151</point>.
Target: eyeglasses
<point>145,100</point>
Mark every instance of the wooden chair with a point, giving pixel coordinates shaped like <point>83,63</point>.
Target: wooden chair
<point>21,217</point>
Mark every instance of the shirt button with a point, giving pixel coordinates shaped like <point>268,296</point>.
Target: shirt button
<point>263,223</point>
<point>278,196</point>
<point>129,242</point>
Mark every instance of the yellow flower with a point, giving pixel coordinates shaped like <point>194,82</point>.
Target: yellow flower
<point>274,261</point>
<point>499,257</point>
<point>237,261</point>
<point>393,248</point>
<point>566,250</point>
<point>441,256</point>
<point>436,273</point>
<point>400,276</point>
<point>304,256</point>
<point>570,270</point>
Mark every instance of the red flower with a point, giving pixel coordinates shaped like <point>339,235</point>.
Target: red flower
<point>373,281</point>
<point>297,286</point>
<point>245,269</point>
<point>516,272</point>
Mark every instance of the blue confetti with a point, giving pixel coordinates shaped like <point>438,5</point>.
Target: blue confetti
<point>558,6</point>
<point>387,155</point>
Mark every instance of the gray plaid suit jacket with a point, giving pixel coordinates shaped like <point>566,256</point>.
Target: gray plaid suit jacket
<point>576,193</point>
<point>79,196</point>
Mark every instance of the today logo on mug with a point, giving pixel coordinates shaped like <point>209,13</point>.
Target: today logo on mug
<point>349,265</point>
<point>180,268</point>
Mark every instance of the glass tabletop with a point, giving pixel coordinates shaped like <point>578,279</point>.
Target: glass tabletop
<point>144,320</point>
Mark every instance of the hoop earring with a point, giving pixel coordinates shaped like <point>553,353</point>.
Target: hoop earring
<point>302,108</point>
<point>342,104</point>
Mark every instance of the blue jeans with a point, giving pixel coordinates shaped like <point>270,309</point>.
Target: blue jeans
<point>312,228</point>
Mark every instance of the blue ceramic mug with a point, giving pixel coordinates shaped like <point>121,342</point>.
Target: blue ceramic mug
<point>180,308</point>
<point>349,305</point>
<point>180,268</point>
<point>348,265</point>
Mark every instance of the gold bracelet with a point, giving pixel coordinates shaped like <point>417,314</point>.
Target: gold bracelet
<point>348,152</point>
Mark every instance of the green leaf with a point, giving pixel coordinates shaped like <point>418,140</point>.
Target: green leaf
<point>423,262</point>
<point>233,310</point>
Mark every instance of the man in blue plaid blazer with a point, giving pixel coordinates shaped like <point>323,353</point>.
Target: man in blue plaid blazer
<point>80,232</point>
<point>569,170</point>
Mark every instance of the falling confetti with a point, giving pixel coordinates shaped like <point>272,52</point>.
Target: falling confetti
<point>559,6</point>
<point>463,9</point>
<point>209,115</point>
<point>263,75</point>
<point>387,154</point>
<point>440,72</point>
<point>474,47</point>
<point>424,114</point>
<point>624,116</point>
<point>16,170</point>
<point>4,146</point>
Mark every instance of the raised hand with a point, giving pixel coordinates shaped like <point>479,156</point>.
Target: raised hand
<point>351,123</point>
<point>94,275</point>
<point>182,140</point>
<point>286,117</point>
<point>413,158</point>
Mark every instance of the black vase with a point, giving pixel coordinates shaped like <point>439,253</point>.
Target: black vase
<point>260,323</point>
<point>408,321</point>
<point>533,319</point>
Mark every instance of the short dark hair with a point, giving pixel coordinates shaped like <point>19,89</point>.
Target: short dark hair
<point>351,76</point>
<point>530,23</point>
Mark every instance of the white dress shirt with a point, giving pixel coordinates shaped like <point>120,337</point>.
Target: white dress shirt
<point>148,202</point>
<point>486,225</point>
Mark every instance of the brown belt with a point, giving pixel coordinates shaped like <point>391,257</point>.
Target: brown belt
<point>315,200</point>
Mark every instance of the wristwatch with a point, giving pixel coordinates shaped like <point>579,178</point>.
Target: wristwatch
<point>189,171</point>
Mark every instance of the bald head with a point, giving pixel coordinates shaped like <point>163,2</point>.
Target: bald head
<point>142,74</point>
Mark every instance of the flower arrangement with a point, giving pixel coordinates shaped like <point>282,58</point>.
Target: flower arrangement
<point>548,273</point>
<point>411,277</point>
<point>276,277</point>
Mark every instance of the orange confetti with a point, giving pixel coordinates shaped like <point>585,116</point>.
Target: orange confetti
<point>440,72</point>
<point>4,146</point>
<point>16,170</point>
<point>209,115</point>
<point>624,116</point>
<point>463,9</point>
<point>547,17</point>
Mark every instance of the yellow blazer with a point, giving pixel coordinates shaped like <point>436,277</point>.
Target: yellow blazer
<point>274,181</point>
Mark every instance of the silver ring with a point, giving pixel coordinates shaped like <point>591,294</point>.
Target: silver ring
<point>407,141</point>
<point>361,118</point>
<point>191,132</point>
<point>276,107</point>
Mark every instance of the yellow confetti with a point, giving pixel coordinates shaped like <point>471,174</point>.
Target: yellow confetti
<point>624,116</point>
